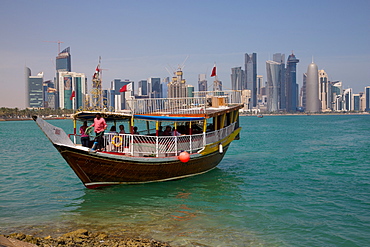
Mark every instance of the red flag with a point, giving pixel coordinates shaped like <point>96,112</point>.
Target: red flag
<point>72,95</point>
<point>96,72</point>
<point>213,71</point>
<point>123,89</point>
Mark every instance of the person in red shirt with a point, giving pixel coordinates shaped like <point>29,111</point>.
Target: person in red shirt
<point>99,126</point>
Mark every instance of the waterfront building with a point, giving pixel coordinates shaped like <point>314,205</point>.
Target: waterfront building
<point>280,58</point>
<point>347,99</point>
<point>312,89</point>
<point>261,90</point>
<point>62,64</point>
<point>177,87</point>
<point>154,87</point>
<point>202,82</point>
<point>324,90</point>
<point>142,88</point>
<point>190,91</point>
<point>72,90</point>
<point>335,91</point>
<point>303,92</point>
<point>291,86</point>
<point>217,85</point>
<point>250,70</point>
<point>356,102</point>
<point>237,78</point>
<point>273,72</point>
<point>34,89</point>
<point>115,87</point>
<point>367,98</point>
<point>165,82</point>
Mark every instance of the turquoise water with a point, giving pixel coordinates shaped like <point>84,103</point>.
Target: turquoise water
<point>289,181</point>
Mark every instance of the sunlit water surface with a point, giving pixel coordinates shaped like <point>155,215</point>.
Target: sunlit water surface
<point>289,181</point>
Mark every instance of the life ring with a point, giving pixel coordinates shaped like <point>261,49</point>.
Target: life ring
<point>117,144</point>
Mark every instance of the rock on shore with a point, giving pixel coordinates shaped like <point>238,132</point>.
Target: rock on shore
<point>78,238</point>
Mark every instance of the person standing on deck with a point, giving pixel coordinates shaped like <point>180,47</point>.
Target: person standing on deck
<point>99,126</point>
<point>84,137</point>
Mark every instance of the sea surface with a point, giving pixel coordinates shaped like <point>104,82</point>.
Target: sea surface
<point>289,181</point>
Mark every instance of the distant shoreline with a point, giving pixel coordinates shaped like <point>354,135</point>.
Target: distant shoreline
<point>27,119</point>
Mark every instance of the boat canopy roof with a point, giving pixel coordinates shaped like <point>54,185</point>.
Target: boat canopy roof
<point>108,116</point>
<point>112,116</point>
<point>168,118</point>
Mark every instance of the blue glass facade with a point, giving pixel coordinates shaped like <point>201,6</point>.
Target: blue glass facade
<point>291,86</point>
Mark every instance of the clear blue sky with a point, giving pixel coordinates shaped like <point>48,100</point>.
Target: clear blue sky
<point>139,39</point>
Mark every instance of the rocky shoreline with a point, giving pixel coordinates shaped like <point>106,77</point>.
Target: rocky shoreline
<point>78,238</point>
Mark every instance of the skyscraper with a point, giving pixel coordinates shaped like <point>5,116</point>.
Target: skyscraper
<point>237,78</point>
<point>324,88</point>
<point>142,88</point>
<point>62,64</point>
<point>347,100</point>
<point>72,90</point>
<point>280,58</point>
<point>367,98</point>
<point>154,87</point>
<point>273,71</point>
<point>251,75</point>
<point>202,82</point>
<point>34,89</point>
<point>312,89</point>
<point>177,87</point>
<point>291,86</point>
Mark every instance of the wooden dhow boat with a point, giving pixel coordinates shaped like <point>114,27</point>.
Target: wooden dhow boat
<point>203,128</point>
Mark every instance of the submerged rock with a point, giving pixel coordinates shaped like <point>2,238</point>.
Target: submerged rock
<point>84,238</point>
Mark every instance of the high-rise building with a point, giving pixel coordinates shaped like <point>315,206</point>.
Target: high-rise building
<point>273,72</point>
<point>367,98</point>
<point>142,88</point>
<point>356,102</point>
<point>291,86</point>
<point>347,99</point>
<point>335,92</point>
<point>202,82</point>
<point>324,90</point>
<point>177,87</point>
<point>62,64</point>
<point>280,58</point>
<point>312,89</point>
<point>72,90</point>
<point>165,82</point>
<point>34,89</point>
<point>250,66</point>
<point>260,89</point>
<point>154,87</point>
<point>237,78</point>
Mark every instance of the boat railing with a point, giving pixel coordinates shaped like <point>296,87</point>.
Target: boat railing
<point>162,146</point>
<point>168,105</point>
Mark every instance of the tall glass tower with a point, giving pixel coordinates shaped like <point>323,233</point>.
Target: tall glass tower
<point>273,71</point>
<point>62,64</point>
<point>251,75</point>
<point>291,86</point>
<point>34,87</point>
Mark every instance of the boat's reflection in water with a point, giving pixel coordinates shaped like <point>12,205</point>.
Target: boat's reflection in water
<point>204,209</point>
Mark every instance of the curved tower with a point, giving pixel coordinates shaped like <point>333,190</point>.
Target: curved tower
<point>312,89</point>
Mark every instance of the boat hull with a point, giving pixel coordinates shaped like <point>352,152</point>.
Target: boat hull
<point>96,170</point>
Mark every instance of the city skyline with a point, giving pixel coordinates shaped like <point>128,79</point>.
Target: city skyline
<point>139,40</point>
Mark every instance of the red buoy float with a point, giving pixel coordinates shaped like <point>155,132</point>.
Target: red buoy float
<point>184,156</point>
